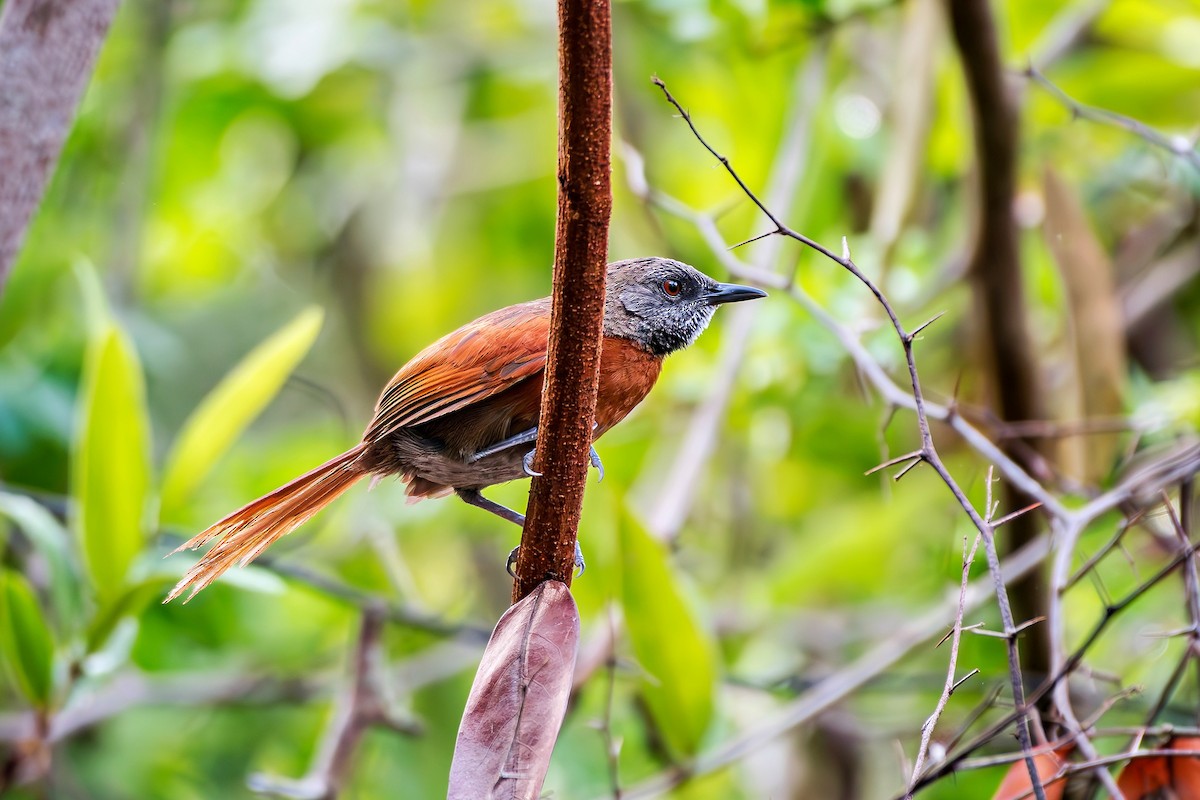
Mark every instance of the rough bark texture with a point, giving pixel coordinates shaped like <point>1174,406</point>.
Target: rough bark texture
<point>580,256</point>
<point>999,284</point>
<point>47,49</point>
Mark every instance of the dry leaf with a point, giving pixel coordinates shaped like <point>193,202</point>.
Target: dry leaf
<point>1016,781</point>
<point>518,700</point>
<point>1165,777</point>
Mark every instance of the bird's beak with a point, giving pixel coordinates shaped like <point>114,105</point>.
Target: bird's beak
<point>732,293</point>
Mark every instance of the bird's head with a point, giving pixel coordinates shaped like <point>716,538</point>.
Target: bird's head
<point>662,304</point>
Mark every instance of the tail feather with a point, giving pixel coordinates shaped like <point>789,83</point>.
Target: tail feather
<point>245,533</point>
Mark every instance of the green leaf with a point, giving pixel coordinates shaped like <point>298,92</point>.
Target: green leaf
<point>129,603</point>
<point>111,461</point>
<point>222,416</point>
<point>52,541</point>
<point>676,654</point>
<point>25,639</point>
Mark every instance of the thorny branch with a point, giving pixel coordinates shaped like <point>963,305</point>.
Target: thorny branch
<point>955,762</point>
<point>674,495</point>
<point>955,637</point>
<point>928,452</point>
<point>1132,493</point>
<point>612,743</point>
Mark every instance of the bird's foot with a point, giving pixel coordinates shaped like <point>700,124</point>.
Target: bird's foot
<point>512,561</point>
<point>594,457</point>
<point>527,465</point>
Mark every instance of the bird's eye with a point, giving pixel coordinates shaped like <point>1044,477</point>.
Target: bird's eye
<point>671,288</point>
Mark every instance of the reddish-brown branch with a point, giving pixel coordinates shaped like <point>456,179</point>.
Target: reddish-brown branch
<point>580,256</point>
<point>47,48</point>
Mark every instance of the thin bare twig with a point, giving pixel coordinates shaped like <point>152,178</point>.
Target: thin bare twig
<point>952,666</point>
<point>1178,146</point>
<point>612,744</point>
<point>674,495</point>
<point>1069,664</point>
<point>1100,554</point>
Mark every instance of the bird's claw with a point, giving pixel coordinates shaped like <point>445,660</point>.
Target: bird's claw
<point>512,561</point>
<point>594,457</point>
<point>527,465</point>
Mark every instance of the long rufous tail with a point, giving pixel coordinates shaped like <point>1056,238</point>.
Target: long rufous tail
<point>251,529</point>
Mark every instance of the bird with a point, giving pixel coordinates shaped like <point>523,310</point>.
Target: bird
<point>462,414</point>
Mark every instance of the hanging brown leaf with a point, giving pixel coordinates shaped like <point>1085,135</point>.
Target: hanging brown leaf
<point>1016,782</point>
<point>1173,777</point>
<point>518,700</point>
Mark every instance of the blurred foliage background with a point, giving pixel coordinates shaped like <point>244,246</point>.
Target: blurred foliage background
<point>333,185</point>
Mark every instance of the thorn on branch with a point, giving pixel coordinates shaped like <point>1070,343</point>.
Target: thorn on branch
<point>1012,633</point>
<point>1024,626</point>
<point>950,633</point>
<point>891,462</point>
<point>753,239</point>
<point>907,469</point>
<point>964,679</point>
<point>925,324</point>
<point>1014,514</point>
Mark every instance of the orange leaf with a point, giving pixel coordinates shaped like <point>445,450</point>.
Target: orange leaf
<point>1016,781</point>
<point>1145,778</point>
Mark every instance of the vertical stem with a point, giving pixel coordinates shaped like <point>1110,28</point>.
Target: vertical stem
<point>580,257</point>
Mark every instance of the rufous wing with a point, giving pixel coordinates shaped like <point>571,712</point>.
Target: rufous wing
<point>476,361</point>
